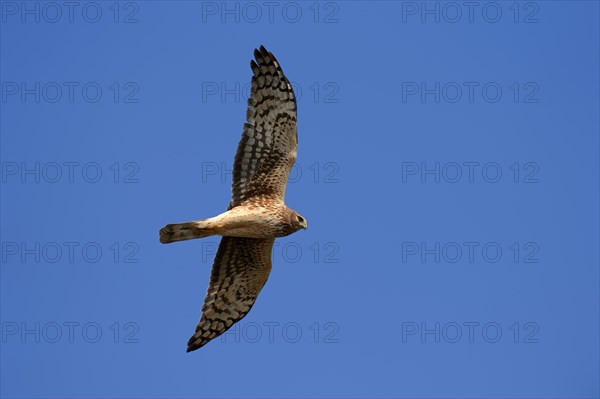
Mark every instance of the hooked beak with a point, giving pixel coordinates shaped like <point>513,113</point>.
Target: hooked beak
<point>304,224</point>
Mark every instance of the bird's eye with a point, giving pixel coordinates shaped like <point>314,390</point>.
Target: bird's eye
<point>300,219</point>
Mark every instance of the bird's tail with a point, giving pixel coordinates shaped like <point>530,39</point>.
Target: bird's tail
<point>185,231</point>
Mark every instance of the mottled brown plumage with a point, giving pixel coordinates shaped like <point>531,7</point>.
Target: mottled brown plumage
<point>257,213</point>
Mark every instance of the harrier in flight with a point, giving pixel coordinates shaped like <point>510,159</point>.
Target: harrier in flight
<point>257,213</point>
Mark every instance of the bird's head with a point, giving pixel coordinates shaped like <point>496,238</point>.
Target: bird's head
<point>296,221</point>
<point>299,221</point>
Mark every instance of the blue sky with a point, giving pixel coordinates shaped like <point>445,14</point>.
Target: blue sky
<point>447,165</point>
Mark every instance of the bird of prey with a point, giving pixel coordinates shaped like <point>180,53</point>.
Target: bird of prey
<point>257,213</point>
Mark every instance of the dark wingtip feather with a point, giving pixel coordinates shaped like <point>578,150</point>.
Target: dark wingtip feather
<point>191,345</point>
<point>263,56</point>
<point>194,347</point>
<point>196,342</point>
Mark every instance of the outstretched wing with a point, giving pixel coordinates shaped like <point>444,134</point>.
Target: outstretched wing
<point>267,149</point>
<point>239,272</point>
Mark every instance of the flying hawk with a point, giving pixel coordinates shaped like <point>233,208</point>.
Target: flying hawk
<point>257,213</point>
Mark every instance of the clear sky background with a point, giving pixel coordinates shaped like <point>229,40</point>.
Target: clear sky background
<point>448,167</point>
